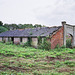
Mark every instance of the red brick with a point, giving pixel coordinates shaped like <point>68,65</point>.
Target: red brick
<point>57,38</point>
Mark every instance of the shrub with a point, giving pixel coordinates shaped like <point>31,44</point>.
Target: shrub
<point>70,63</point>
<point>57,46</point>
<point>71,51</point>
<point>68,43</point>
<point>25,44</point>
<point>1,41</point>
<point>58,64</point>
<point>63,46</point>
<point>45,45</point>
<point>8,43</point>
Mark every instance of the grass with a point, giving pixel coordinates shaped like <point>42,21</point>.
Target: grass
<point>16,60</point>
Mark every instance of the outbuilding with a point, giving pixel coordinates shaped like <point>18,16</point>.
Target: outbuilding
<point>54,34</point>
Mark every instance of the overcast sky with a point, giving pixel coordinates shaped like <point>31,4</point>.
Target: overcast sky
<point>45,12</point>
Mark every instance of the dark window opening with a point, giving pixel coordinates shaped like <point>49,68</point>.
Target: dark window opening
<point>21,39</point>
<point>12,39</point>
<point>29,40</point>
<point>9,39</point>
<point>39,40</point>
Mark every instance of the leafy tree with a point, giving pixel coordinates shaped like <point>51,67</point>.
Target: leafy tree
<point>23,26</point>
<point>3,29</point>
<point>6,26</point>
<point>37,25</point>
<point>13,26</point>
<point>20,26</point>
<point>1,24</point>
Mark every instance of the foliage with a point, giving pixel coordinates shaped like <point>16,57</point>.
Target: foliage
<point>45,45</point>
<point>31,33</point>
<point>70,63</point>
<point>57,46</point>
<point>27,44</point>
<point>68,43</point>
<point>63,46</point>
<point>71,51</point>
<point>36,25</point>
<point>3,29</point>
<point>39,40</point>
<point>1,23</point>
<point>17,60</point>
<point>29,41</point>
<point>9,42</point>
<point>58,64</point>
<point>19,26</point>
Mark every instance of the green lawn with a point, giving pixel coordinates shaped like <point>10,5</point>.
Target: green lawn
<point>16,60</point>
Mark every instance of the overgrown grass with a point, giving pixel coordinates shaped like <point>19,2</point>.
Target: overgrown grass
<point>17,60</point>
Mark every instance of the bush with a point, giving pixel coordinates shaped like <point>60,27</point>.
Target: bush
<point>45,45</point>
<point>57,46</point>
<point>63,46</point>
<point>8,43</point>
<point>70,63</point>
<point>68,43</point>
<point>25,44</point>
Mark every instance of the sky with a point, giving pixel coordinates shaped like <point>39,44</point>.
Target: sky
<point>44,12</point>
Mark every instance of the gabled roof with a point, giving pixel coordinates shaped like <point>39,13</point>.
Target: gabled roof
<point>31,32</point>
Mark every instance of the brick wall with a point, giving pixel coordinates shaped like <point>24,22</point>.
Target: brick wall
<point>57,38</point>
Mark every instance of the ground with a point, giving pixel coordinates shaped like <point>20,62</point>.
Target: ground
<point>17,60</point>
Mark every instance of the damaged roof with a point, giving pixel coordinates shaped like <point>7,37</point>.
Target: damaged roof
<point>31,32</point>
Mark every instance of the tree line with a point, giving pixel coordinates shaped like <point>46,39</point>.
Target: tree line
<point>6,27</point>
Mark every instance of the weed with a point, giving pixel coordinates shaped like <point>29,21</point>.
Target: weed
<point>70,63</point>
<point>6,64</point>
<point>71,51</point>
<point>45,45</point>
<point>68,43</point>
<point>29,59</point>
<point>31,65</point>
<point>58,64</point>
<point>45,63</point>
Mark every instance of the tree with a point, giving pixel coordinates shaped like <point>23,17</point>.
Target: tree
<point>6,26</point>
<point>1,24</point>
<point>37,25</point>
<point>3,29</point>
<point>20,26</point>
<point>13,26</point>
<point>23,26</point>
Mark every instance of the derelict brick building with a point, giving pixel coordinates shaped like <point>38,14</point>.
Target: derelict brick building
<point>54,34</point>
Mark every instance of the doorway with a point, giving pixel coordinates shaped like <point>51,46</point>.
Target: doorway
<point>12,39</point>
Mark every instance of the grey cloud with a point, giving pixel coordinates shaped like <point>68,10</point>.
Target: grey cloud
<point>46,12</point>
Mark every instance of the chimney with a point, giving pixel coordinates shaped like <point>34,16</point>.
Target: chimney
<point>63,22</point>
